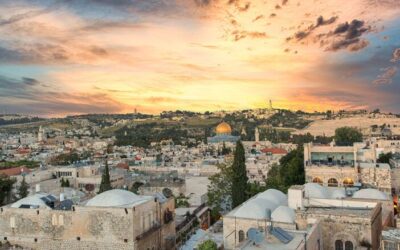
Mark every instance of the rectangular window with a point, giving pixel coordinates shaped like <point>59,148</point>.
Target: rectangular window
<point>54,220</point>
<point>12,222</point>
<point>61,220</point>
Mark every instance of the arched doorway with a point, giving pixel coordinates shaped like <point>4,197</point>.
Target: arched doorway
<point>348,245</point>
<point>338,245</point>
<point>348,182</point>
<point>332,182</point>
<point>241,236</point>
<point>318,180</point>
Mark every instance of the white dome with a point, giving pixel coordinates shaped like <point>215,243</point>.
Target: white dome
<point>116,198</point>
<point>256,208</point>
<point>370,193</point>
<point>33,201</point>
<point>274,195</point>
<point>314,190</point>
<point>338,194</point>
<point>283,214</point>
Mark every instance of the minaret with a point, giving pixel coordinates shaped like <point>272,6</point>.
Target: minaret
<point>257,134</point>
<point>41,134</point>
<point>270,105</point>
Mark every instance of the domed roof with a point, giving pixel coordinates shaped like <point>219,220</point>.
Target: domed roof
<point>223,128</point>
<point>370,193</point>
<point>283,214</point>
<point>274,195</point>
<point>314,190</point>
<point>338,194</point>
<point>116,198</point>
<point>256,208</point>
<point>37,201</point>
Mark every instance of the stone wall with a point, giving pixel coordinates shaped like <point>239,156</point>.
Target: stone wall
<point>325,173</point>
<point>83,227</point>
<point>383,178</point>
<point>360,230</point>
<point>233,225</point>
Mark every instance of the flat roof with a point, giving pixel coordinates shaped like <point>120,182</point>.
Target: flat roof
<point>341,211</point>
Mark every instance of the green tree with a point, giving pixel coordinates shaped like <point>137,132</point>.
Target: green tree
<point>219,191</point>
<point>23,189</point>
<point>239,176</point>
<point>208,245</point>
<point>347,136</point>
<point>6,186</point>
<point>290,171</point>
<point>385,158</point>
<point>135,187</point>
<point>105,184</point>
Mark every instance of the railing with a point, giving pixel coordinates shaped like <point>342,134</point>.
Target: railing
<point>337,163</point>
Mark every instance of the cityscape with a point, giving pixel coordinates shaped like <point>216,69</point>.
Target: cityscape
<point>199,124</point>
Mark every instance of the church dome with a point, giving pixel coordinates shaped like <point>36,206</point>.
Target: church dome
<point>370,193</point>
<point>283,214</point>
<point>274,195</point>
<point>314,190</point>
<point>116,198</point>
<point>223,128</point>
<point>256,208</point>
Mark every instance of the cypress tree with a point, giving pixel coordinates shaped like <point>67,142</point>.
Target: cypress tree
<point>239,180</point>
<point>23,189</point>
<point>105,184</point>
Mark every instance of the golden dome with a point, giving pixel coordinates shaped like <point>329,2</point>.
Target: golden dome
<point>223,128</point>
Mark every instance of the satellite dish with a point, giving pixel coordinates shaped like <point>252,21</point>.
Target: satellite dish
<point>167,192</point>
<point>255,235</point>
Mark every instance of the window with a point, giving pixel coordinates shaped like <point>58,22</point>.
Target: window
<point>389,245</point>
<point>338,245</point>
<point>61,220</point>
<point>54,220</point>
<point>241,236</point>
<point>317,180</point>
<point>348,182</point>
<point>348,245</point>
<point>12,222</point>
<point>332,182</point>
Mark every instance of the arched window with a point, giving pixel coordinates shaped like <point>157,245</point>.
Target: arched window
<point>317,180</point>
<point>338,245</point>
<point>348,182</point>
<point>348,245</point>
<point>332,182</point>
<point>241,236</point>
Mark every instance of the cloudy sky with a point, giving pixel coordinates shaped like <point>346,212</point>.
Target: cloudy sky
<point>61,57</point>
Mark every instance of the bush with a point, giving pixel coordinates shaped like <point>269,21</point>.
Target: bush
<point>208,245</point>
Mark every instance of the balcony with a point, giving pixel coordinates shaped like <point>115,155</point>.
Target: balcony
<point>334,163</point>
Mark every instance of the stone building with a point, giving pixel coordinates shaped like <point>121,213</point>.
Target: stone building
<point>116,219</point>
<point>80,177</point>
<point>310,217</point>
<point>347,166</point>
<point>390,239</point>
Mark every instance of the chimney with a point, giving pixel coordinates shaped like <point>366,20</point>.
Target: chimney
<point>37,188</point>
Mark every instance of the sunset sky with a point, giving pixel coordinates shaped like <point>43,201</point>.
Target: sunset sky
<point>112,56</point>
